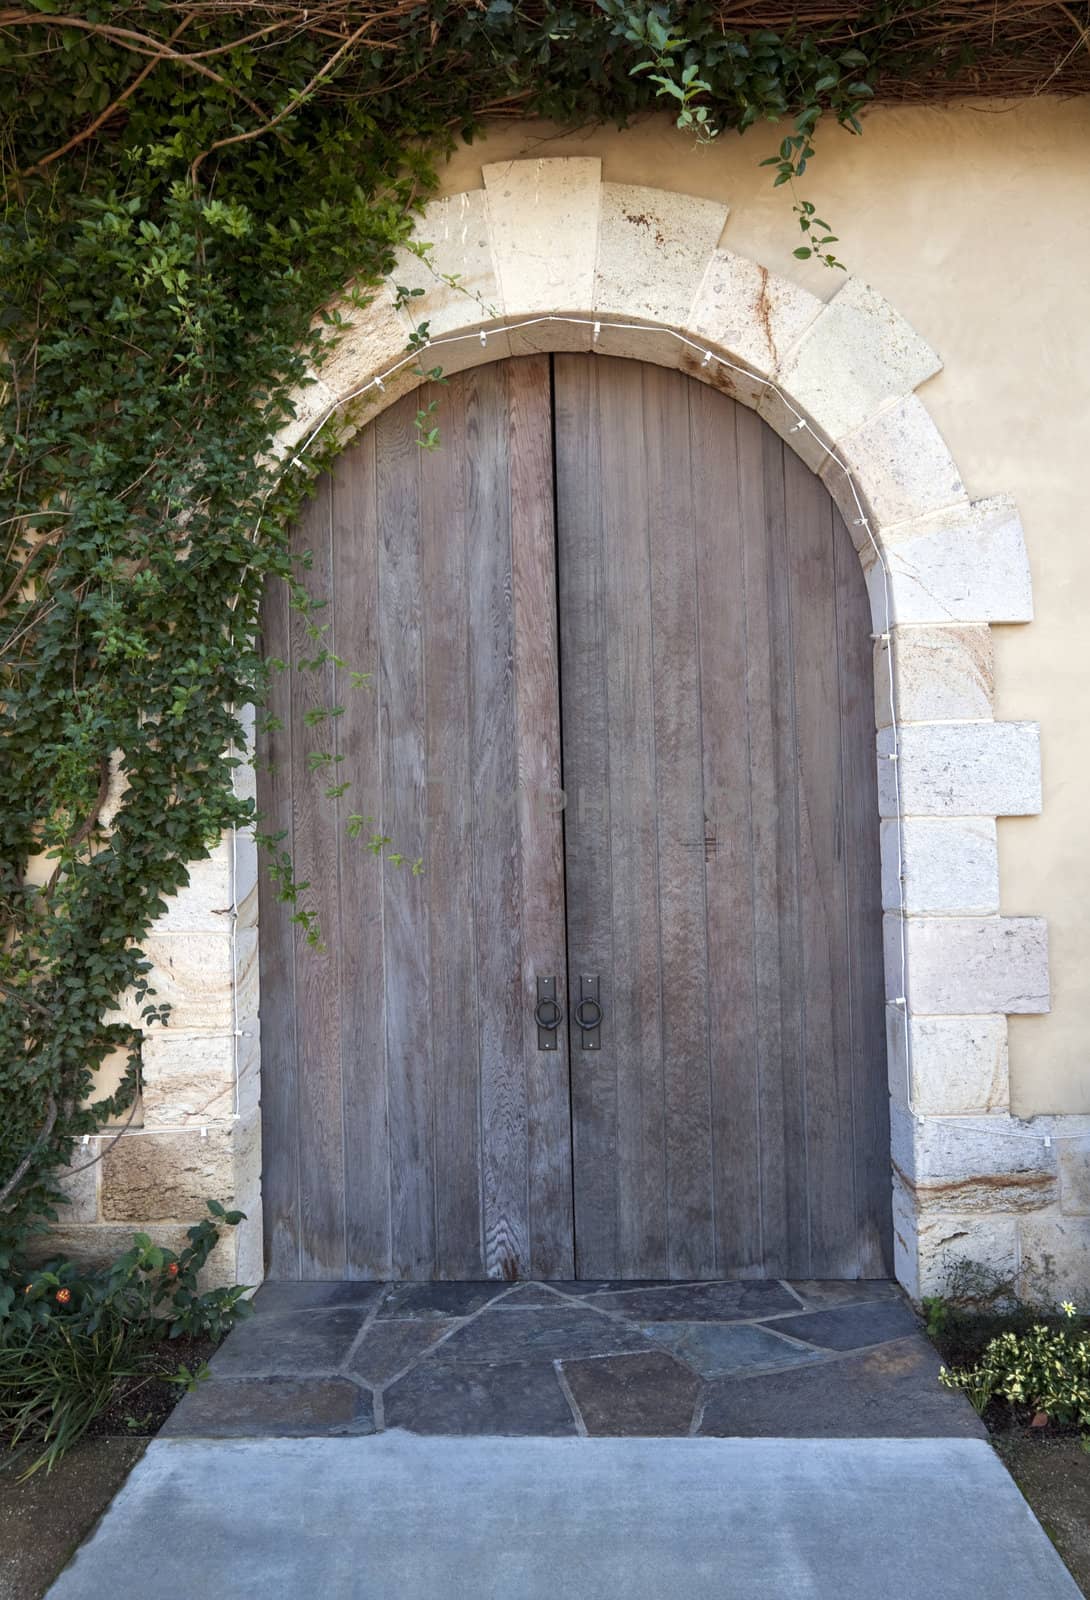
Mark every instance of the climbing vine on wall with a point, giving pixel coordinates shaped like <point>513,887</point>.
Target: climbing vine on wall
<point>186,186</point>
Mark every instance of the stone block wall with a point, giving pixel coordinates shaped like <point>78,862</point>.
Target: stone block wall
<point>550,257</point>
<point>195,1135</point>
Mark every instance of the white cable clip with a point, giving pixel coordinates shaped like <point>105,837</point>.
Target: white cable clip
<point>891,756</point>
<point>707,359</point>
<point>204,1133</point>
<point>799,426</point>
<point>883,637</point>
<point>900,1001</point>
<point>380,386</point>
<point>483,338</point>
<point>1048,1141</point>
<point>597,332</point>
<point>861,522</point>
<point>86,1140</point>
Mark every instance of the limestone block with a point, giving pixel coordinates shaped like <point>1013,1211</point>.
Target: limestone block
<point>750,314</point>
<point>456,229</point>
<point>1075,1176</point>
<point>204,904</point>
<point>940,674</point>
<point>949,1066</point>
<point>168,1176</point>
<point>188,1077</point>
<point>543,221</point>
<point>653,247</point>
<point>313,403</point>
<point>969,965</point>
<point>656,346</point>
<point>928,1246</point>
<point>968,1164</point>
<point>79,1184</point>
<point>947,865</point>
<point>1055,1261</point>
<point>193,973</point>
<point>376,341</point>
<point>966,565</point>
<point>857,356</point>
<point>94,1244</point>
<point>967,769</point>
<point>901,466</point>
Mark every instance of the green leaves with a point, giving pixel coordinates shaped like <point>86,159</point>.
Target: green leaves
<point>156,328</point>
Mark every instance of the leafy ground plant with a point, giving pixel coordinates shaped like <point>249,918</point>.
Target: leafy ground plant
<point>1045,1368</point>
<point>70,1337</point>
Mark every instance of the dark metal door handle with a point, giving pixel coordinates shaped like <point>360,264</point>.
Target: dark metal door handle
<point>547,1014</point>
<point>588,1013</point>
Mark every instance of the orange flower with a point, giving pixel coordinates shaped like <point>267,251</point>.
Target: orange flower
<point>64,1295</point>
<point>172,1269</point>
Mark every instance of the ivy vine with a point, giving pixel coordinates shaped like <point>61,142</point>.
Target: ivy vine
<point>187,190</point>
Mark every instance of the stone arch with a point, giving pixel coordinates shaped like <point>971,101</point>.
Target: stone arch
<point>547,256</point>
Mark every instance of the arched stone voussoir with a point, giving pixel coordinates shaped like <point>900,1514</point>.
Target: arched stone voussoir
<point>857,357</point>
<point>965,564</point>
<point>897,465</point>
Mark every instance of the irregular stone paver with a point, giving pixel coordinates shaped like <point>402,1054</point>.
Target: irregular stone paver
<point>851,1327</point>
<point>437,1299</point>
<point>529,1295</point>
<point>820,1293</point>
<point>481,1357</point>
<point>553,1335</point>
<point>289,1342</point>
<point>889,1393</point>
<point>511,1398</point>
<point>701,1302</point>
<point>235,1408</point>
<point>315,1296</point>
<point>714,1349</point>
<point>648,1394</point>
<point>390,1347</point>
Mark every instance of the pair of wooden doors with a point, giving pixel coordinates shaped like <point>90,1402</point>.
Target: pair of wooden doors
<point>627,1022</point>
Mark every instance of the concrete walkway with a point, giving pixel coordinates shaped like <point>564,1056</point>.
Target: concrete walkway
<point>399,1517</point>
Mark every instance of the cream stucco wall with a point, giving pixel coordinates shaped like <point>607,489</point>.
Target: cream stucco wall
<point>974,221</point>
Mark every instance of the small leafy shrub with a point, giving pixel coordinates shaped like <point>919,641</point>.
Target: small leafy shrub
<point>69,1336</point>
<point>1046,1368</point>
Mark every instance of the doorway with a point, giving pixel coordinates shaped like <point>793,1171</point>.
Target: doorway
<point>626,1021</point>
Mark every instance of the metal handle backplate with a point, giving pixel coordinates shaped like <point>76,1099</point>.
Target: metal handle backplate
<point>588,1013</point>
<point>547,1014</point>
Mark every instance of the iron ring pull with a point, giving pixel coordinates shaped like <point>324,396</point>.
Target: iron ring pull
<point>594,1020</point>
<point>546,1021</point>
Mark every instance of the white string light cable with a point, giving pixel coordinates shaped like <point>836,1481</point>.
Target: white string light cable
<point>708,358</point>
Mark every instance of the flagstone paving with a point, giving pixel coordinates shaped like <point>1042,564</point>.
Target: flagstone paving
<point>741,1359</point>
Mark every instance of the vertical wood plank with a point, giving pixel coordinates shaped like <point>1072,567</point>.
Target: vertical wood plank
<point>678,797</point>
<point>496,877</point>
<point>725,674</point>
<point>403,819</point>
<point>586,720</point>
<point>634,988</point>
<point>362,974</point>
<point>537,699</point>
<point>317,998</point>
<point>863,930</point>
<point>826,997</point>
<point>279,1080</point>
<point>448,884</point>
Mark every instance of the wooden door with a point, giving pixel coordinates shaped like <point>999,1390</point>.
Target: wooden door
<point>679,807</point>
<point>721,842</point>
<point>412,1129</point>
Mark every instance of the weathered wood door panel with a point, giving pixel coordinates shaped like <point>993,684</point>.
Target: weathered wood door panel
<point>712,861</point>
<point>412,1128</point>
<point>721,839</point>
